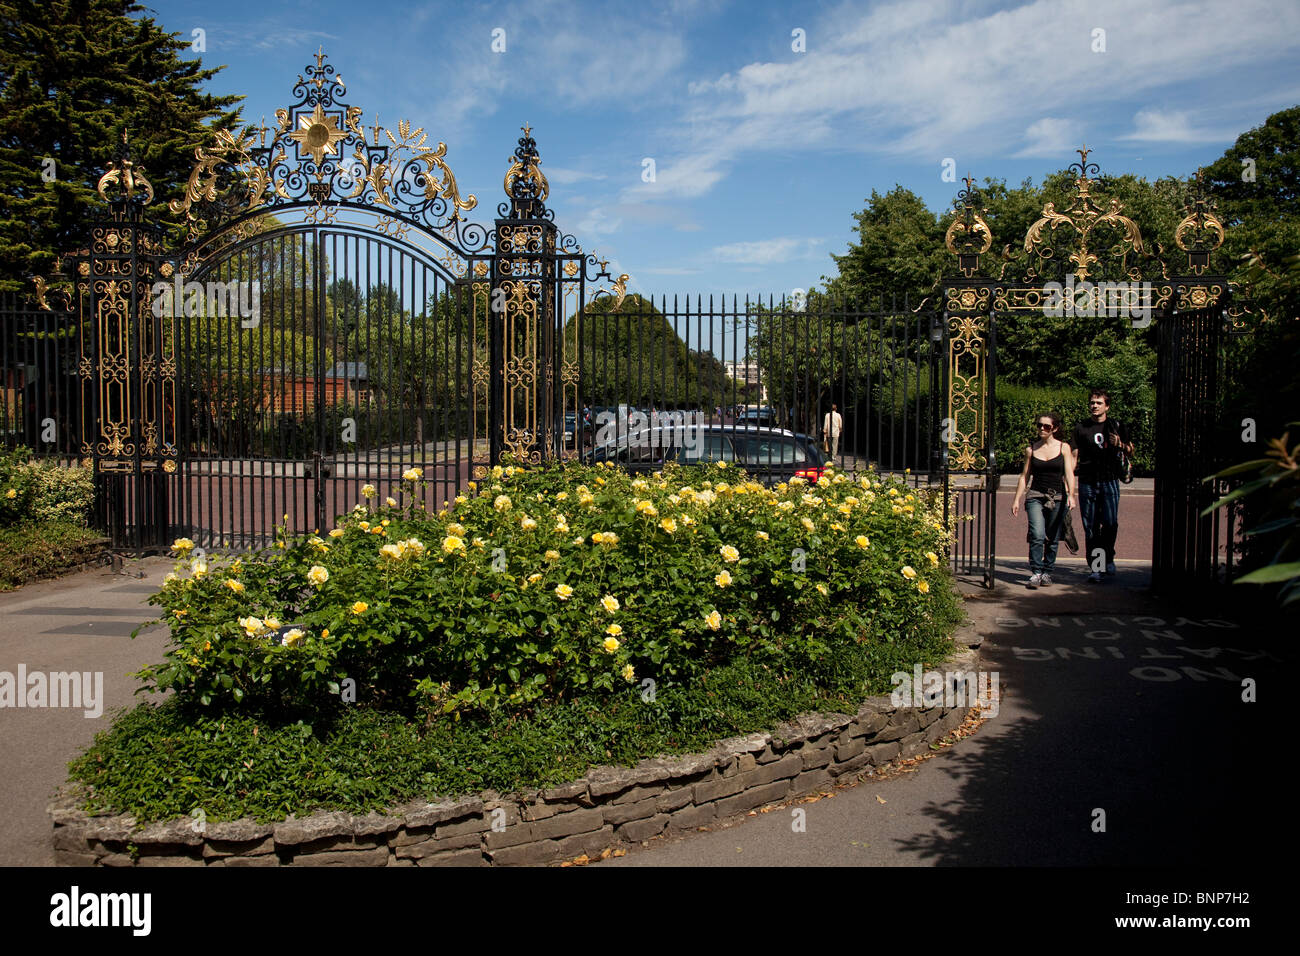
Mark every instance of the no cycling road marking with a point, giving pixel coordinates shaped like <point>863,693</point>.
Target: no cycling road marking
<point>1147,629</point>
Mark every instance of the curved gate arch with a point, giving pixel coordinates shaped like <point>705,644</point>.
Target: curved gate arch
<point>330,321</point>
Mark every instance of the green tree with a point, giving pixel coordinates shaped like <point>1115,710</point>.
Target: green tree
<point>74,74</point>
<point>1256,185</point>
<point>633,356</point>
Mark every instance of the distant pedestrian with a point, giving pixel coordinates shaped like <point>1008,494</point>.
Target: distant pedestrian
<point>1101,444</point>
<point>832,425</point>
<point>1047,488</point>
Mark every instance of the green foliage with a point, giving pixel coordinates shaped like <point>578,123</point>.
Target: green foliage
<point>32,551</point>
<point>160,762</point>
<point>555,584</point>
<point>73,76</point>
<point>634,356</point>
<point>41,491</point>
<point>1262,216</point>
<point>1273,491</point>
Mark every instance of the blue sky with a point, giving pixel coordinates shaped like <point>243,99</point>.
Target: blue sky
<point>762,152</point>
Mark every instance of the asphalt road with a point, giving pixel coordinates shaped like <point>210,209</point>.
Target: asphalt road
<point>1111,704</point>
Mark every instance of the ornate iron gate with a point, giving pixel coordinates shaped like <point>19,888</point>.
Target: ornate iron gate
<point>1189,354</point>
<point>332,328</point>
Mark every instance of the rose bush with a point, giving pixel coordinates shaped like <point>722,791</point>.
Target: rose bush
<point>559,582</point>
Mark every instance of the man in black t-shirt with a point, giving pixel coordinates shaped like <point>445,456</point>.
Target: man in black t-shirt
<point>1096,443</point>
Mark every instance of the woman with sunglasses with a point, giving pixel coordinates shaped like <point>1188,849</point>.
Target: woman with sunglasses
<point>1048,480</point>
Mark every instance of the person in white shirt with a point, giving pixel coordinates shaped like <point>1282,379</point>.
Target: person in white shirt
<point>831,427</point>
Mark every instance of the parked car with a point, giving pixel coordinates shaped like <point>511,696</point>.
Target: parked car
<point>764,417</point>
<point>771,455</point>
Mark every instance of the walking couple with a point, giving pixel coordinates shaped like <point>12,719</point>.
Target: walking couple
<point>1099,452</point>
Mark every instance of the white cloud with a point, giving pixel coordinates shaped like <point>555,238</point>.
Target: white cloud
<point>1155,126</point>
<point>565,177</point>
<point>767,251</point>
<point>953,78</point>
<point>1049,137</point>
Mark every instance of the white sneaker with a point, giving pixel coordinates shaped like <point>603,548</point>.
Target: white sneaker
<point>1045,580</point>
<point>1094,578</point>
<point>1110,567</point>
<point>1034,581</point>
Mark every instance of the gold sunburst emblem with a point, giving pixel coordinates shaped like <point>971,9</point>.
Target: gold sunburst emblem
<point>316,134</point>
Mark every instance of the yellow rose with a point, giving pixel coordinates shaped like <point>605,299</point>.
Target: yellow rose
<point>453,543</point>
<point>629,672</point>
<point>821,588</point>
<point>714,620</point>
<point>908,572</point>
<point>182,546</point>
<point>932,558</point>
<point>318,575</point>
<point>729,554</point>
<point>761,535</point>
<point>669,525</point>
<point>369,491</point>
<point>552,555</point>
<point>861,541</point>
<point>11,494</point>
<point>412,474</point>
<point>528,524</point>
<point>610,644</point>
<point>336,533</point>
<point>391,502</point>
<point>807,523</point>
<point>360,607</point>
<point>609,603</point>
<point>235,586</point>
<point>563,592</point>
<point>251,625</point>
<point>722,579</point>
<point>273,623</point>
<point>923,587</point>
<point>292,637</point>
<point>502,503</point>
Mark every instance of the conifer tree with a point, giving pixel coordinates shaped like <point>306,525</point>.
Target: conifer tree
<point>75,74</point>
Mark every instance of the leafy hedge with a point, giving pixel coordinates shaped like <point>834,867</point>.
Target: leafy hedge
<point>32,490</point>
<point>558,583</point>
<point>1018,406</point>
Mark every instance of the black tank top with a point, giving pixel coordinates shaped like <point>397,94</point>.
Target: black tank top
<point>1047,475</point>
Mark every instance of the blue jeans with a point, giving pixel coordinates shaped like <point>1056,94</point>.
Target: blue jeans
<point>1099,510</point>
<point>1045,527</point>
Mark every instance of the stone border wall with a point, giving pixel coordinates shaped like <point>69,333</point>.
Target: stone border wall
<point>608,807</point>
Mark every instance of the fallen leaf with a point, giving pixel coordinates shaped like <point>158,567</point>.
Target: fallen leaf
<point>604,854</point>
<point>620,853</point>
<point>879,798</point>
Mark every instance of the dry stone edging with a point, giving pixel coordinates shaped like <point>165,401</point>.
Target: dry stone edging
<point>608,807</point>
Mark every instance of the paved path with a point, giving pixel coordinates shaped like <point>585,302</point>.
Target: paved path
<point>80,623</point>
<point>1110,701</point>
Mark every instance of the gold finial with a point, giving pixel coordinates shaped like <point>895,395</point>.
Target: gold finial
<point>604,263</point>
<point>320,56</point>
<point>527,129</point>
<point>1083,155</point>
<point>376,128</point>
<point>969,181</point>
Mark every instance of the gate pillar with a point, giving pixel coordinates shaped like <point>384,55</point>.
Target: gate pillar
<point>126,364</point>
<point>523,339</point>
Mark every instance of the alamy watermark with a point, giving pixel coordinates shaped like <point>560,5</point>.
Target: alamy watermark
<point>1129,300</point>
<point>217,299</point>
<point>675,429</point>
<point>949,688</point>
<point>55,689</point>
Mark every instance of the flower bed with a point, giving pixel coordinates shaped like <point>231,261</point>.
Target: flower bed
<point>547,584</point>
<point>546,622</point>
